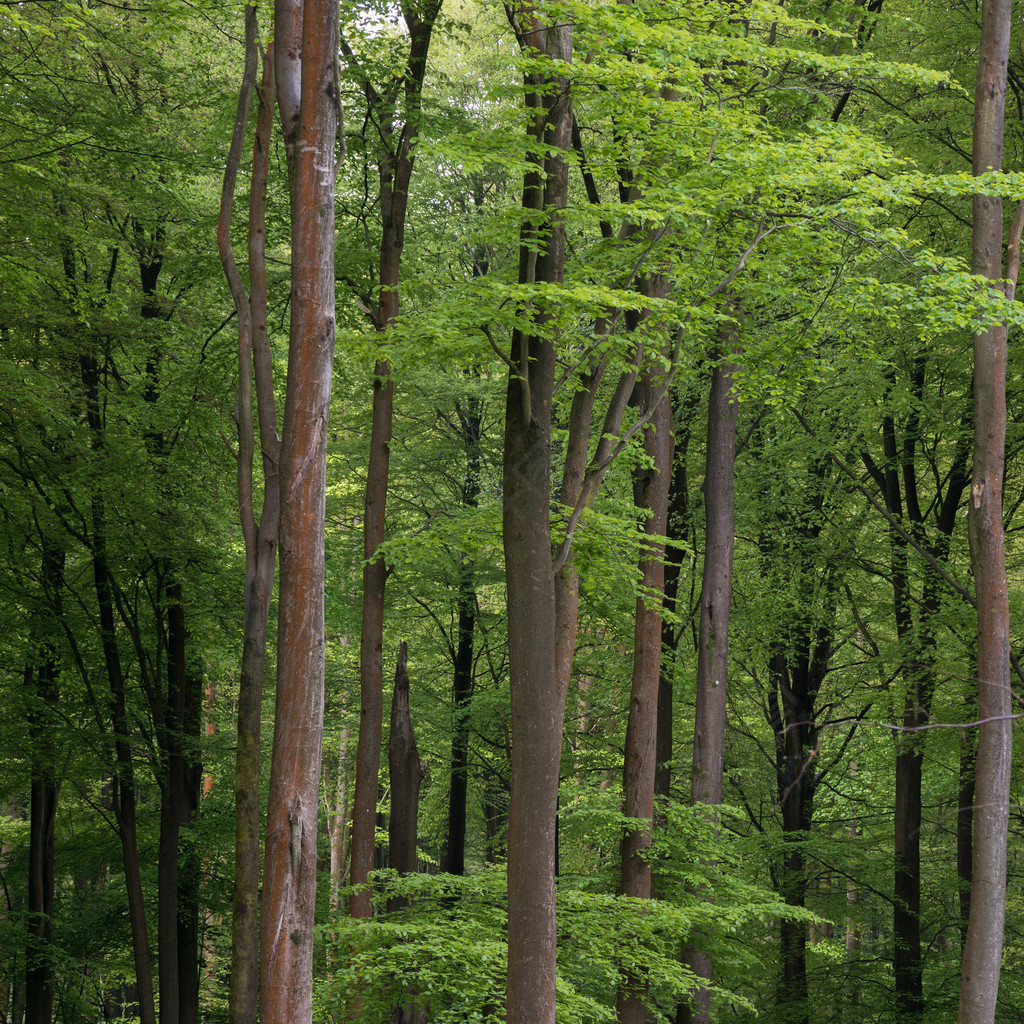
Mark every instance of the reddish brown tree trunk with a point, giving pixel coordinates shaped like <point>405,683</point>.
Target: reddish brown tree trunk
<point>983,948</point>
<point>289,881</point>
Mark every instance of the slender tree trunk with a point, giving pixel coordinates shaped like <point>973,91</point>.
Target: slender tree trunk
<point>371,663</point>
<point>642,725</point>
<point>289,884</point>
<point>675,531</point>
<point>178,867</point>
<point>713,636</point>
<point>983,948</point>
<point>407,772</point>
<point>41,684</point>
<point>124,796</point>
<point>453,859</point>
<point>796,675</point>
<point>172,784</point>
<point>538,706</point>
<point>964,830</point>
<point>124,777</point>
<point>11,811</point>
<point>794,735</point>
<point>396,162</point>
<point>338,826</point>
<point>918,642</point>
<point>853,937</point>
<point>254,361</point>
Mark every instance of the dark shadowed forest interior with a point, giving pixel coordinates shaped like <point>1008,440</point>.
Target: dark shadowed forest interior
<point>508,511</point>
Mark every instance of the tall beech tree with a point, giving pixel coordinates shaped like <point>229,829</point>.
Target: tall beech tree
<point>642,724</point>
<point>289,881</point>
<point>982,955</point>
<point>538,706</point>
<point>708,762</point>
<point>396,156</point>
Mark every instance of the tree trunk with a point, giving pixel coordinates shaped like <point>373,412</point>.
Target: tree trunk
<point>453,859</point>
<point>642,725</point>
<point>124,777</point>
<point>189,866</point>
<point>178,866</point>
<point>338,826</point>
<point>983,948</point>
<point>964,830</point>
<point>918,641</point>
<point>254,360</point>
<point>42,694</point>
<point>11,811</point>
<point>537,705</point>
<point>676,532</point>
<point>289,883</point>
<point>407,773</point>
<point>713,632</point>
<point>371,666</point>
<point>396,162</point>
<point>794,735</point>
<point>124,796</point>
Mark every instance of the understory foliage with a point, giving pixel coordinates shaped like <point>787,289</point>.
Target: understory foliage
<point>799,176</point>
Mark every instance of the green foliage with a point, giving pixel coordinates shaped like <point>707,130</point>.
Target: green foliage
<point>446,950</point>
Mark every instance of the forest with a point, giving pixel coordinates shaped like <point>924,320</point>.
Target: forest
<point>508,511</point>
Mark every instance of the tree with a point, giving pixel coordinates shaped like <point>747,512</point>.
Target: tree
<point>982,954</point>
<point>537,703</point>
<point>396,160</point>
<point>308,95</point>
<point>260,534</point>
<point>708,765</point>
